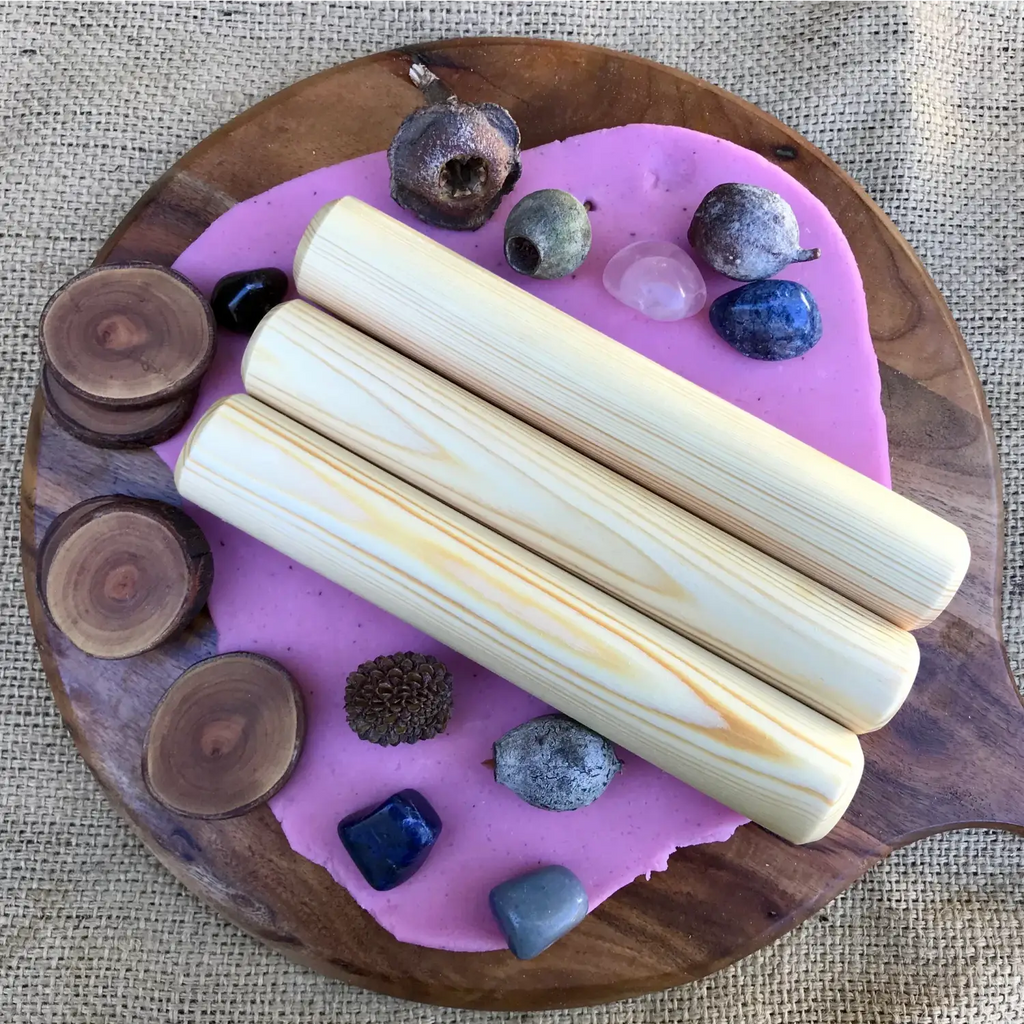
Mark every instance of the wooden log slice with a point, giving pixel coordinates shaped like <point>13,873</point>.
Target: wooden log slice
<point>128,334</point>
<point>105,426</point>
<point>225,737</point>
<point>119,576</point>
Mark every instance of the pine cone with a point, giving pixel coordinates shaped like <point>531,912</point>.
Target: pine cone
<point>399,698</point>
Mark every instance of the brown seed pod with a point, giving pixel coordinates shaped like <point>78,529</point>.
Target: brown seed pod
<point>399,698</point>
<point>452,162</point>
<point>747,232</point>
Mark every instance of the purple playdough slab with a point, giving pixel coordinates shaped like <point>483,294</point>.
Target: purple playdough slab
<point>644,182</point>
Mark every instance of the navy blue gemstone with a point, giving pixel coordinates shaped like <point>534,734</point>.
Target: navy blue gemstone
<point>768,319</point>
<point>390,842</point>
<point>241,300</point>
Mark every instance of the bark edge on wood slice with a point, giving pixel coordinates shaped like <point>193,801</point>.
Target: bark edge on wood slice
<point>225,737</point>
<point>118,576</point>
<point>106,426</point>
<point>127,334</point>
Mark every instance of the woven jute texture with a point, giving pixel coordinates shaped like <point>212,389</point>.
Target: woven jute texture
<point>922,103</point>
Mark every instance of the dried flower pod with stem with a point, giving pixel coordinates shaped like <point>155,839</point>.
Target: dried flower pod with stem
<point>451,162</point>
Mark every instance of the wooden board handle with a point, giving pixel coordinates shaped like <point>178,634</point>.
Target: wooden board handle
<point>696,716</point>
<point>673,437</point>
<point>819,647</point>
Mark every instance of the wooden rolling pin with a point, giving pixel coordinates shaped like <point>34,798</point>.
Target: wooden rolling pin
<point>696,716</point>
<point>723,464</point>
<point>730,598</point>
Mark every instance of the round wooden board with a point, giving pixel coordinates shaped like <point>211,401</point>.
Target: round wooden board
<point>953,757</point>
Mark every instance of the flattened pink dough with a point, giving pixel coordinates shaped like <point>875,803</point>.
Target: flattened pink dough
<point>644,182</point>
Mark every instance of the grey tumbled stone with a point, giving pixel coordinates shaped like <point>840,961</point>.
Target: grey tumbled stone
<point>555,763</point>
<point>538,908</point>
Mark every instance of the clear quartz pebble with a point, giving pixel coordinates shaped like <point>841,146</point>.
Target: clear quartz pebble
<point>658,279</point>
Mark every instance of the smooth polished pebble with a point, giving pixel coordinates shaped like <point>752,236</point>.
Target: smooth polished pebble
<point>390,842</point>
<point>536,909</point>
<point>770,320</point>
<point>241,300</point>
<point>656,278</point>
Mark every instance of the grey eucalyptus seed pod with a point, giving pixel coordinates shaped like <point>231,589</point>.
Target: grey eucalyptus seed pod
<point>547,234</point>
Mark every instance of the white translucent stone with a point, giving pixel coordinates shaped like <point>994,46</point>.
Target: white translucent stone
<point>658,279</point>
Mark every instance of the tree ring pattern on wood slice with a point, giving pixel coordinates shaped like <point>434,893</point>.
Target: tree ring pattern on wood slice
<point>128,334</point>
<point>225,737</point>
<point>119,576</point>
<point>106,426</point>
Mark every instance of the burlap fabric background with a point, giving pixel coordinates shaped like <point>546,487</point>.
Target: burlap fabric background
<point>922,103</point>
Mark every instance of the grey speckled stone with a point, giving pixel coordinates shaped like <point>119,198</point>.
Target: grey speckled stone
<point>538,908</point>
<point>555,763</point>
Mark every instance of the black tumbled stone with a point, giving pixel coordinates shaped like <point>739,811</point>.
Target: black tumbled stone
<point>241,300</point>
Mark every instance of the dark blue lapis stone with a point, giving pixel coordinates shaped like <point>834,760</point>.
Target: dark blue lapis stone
<point>390,842</point>
<point>538,908</point>
<point>768,319</point>
<point>241,300</point>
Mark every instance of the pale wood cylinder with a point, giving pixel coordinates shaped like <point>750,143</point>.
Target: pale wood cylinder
<point>673,437</point>
<point>691,713</point>
<point>756,612</point>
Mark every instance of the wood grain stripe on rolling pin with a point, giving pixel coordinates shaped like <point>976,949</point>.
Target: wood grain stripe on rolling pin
<point>752,610</point>
<point>730,735</point>
<point>723,464</point>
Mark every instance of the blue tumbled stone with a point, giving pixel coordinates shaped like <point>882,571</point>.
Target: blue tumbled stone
<point>390,842</point>
<point>768,319</point>
<point>538,908</point>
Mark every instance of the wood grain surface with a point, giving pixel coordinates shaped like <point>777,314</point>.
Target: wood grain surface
<point>841,659</point>
<point>953,757</point>
<point>119,576</point>
<point>628,412</point>
<point>225,737</point>
<point>107,426</point>
<point>689,712</point>
<point>127,335</point>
